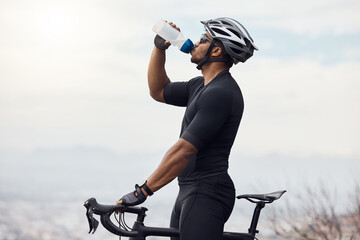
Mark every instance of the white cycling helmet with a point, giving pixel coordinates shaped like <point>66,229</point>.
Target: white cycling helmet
<point>237,41</point>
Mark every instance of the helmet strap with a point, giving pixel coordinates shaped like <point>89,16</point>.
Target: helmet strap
<point>218,60</point>
<point>206,59</point>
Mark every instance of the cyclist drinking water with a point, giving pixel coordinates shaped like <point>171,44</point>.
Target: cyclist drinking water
<point>214,107</point>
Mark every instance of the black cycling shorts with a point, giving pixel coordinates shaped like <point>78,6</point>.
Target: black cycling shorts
<point>202,208</point>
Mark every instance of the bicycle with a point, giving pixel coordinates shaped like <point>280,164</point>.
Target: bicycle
<point>139,231</point>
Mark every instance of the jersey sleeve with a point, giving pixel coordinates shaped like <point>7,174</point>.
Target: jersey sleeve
<point>176,93</point>
<point>214,107</point>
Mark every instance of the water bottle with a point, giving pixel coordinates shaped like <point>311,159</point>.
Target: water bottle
<point>176,38</point>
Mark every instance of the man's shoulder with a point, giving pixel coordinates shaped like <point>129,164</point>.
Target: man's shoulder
<point>217,92</point>
<point>228,84</point>
<point>197,80</point>
<point>224,89</point>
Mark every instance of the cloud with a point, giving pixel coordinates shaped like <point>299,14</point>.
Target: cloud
<point>300,106</point>
<point>313,18</point>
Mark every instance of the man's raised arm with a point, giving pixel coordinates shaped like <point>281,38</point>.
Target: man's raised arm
<point>157,78</point>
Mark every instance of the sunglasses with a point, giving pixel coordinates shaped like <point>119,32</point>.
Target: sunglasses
<point>204,38</point>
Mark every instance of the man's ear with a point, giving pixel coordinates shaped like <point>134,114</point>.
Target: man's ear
<point>216,51</point>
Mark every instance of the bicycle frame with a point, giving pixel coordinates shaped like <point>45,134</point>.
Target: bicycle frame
<point>139,231</point>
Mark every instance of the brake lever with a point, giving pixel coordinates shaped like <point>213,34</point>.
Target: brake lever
<point>93,223</point>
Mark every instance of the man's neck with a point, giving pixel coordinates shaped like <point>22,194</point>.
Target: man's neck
<point>211,70</point>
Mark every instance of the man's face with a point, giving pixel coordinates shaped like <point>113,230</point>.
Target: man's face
<point>200,49</point>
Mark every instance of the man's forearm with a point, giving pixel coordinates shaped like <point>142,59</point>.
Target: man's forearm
<point>173,163</point>
<point>157,78</point>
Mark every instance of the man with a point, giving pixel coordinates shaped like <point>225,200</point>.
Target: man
<point>214,107</point>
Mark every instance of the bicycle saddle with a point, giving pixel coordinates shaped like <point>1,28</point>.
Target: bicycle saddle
<point>266,198</point>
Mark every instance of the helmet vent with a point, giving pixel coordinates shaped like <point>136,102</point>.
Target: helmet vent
<point>236,43</point>
<point>219,31</point>
<point>236,50</point>
<point>225,23</point>
<point>235,32</point>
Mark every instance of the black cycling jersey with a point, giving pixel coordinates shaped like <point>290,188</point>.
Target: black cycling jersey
<point>212,117</point>
<point>211,120</point>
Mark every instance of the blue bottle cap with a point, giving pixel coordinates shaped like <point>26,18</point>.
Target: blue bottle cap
<point>187,46</point>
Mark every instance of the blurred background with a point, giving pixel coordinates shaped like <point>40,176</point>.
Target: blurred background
<point>77,120</point>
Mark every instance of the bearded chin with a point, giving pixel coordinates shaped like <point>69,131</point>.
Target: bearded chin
<point>195,60</point>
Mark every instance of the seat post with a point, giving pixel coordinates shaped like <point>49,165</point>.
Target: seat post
<point>255,218</point>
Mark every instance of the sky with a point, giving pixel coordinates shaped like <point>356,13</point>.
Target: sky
<point>73,74</point>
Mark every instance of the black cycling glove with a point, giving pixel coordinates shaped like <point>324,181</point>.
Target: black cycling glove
<point>136,197</point>
<point>160,43</point>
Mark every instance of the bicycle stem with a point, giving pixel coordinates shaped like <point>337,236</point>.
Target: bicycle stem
<point>155,231</point>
